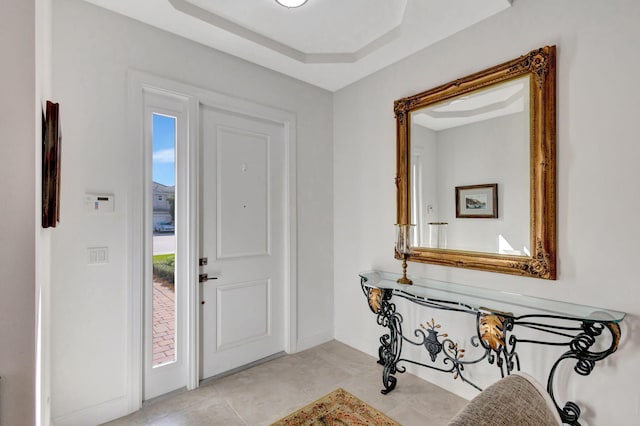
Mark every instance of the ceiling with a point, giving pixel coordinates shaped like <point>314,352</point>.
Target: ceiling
<point>327,43</point>
<point>496,101</point>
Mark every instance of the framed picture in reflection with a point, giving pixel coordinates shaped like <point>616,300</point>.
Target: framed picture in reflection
<point>477,201</point>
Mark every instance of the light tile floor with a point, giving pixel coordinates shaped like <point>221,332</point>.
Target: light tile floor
<point>265,393</point>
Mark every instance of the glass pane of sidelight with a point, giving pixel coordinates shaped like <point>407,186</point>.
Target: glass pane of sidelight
<point>164,239</point>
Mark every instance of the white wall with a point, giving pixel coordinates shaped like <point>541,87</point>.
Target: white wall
<point>43,236</point>
<point>477,153</point>
<point>18,121</point>
<point>92,50</point>
<point>490,151</point>
<point>597,159</point>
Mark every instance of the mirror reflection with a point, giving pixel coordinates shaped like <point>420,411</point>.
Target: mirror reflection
<point>476,169</point>
<point>470,171</point>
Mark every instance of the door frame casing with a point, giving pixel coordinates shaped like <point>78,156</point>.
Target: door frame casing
<point>173,374</point>
<point>138,83</point>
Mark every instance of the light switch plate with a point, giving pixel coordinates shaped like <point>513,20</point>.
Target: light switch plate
<point>98,255</point>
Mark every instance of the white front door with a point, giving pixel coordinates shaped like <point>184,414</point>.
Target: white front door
<point>242,235</point>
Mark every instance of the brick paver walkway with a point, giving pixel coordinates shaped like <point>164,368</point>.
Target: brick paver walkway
<point>164,324</point>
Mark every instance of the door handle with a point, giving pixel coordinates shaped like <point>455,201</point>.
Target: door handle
<point>205,277</point>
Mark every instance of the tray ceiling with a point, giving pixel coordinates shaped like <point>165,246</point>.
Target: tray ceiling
<point>328,43</point>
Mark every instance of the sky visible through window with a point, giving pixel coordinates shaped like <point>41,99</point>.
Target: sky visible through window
<point>164,149</point>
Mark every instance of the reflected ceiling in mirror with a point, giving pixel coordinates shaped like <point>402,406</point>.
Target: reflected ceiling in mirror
<point>476,169</point>
<point>469,141</point>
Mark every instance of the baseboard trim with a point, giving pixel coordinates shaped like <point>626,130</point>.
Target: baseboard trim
<point>96,414</point>
<point>314,340</point>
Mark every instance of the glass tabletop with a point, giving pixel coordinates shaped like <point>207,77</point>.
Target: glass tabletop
<point>474,299</point>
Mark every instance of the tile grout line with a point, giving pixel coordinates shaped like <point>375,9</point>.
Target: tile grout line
<point>235,411</point>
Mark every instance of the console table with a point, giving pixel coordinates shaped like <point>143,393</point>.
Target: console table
<point>589,334</point>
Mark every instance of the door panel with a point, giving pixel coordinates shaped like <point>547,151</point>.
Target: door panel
<point>243,188</point>
<point>237,302</point>
<point>242,234</point>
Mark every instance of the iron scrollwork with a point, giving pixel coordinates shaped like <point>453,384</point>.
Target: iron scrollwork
<point>495,341</point>
<point>580,350</point>
<point>390,346</point>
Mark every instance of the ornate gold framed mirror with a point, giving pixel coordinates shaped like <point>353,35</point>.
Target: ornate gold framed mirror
<point>476,169</point>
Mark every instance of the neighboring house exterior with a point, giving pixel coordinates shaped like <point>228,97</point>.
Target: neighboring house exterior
<point>161,204</point>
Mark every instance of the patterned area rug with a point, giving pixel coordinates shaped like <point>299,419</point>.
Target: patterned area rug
<point>337,409</point>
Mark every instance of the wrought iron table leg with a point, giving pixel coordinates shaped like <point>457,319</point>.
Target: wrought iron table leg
<point>390,344</point>
<point>580,350</point>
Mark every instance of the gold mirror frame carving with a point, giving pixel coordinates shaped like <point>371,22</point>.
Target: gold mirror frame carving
<point>540,64</point>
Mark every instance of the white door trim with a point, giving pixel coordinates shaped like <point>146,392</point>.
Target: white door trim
<point>162,379</point>
<point>138,82</point>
